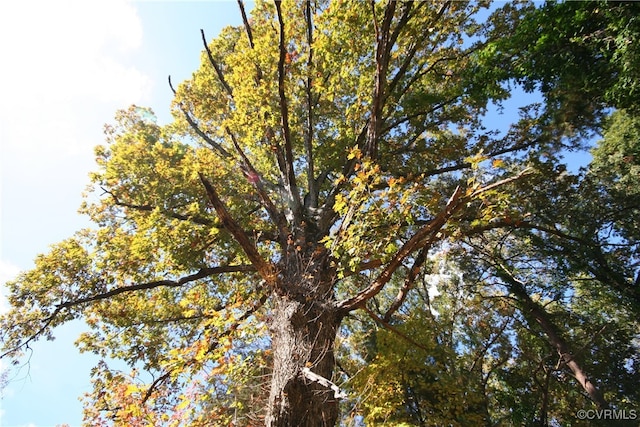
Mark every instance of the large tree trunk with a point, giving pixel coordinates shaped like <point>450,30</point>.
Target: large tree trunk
<point>303,327</point>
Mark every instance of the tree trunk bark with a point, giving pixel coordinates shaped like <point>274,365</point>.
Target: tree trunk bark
<point>303,329</point>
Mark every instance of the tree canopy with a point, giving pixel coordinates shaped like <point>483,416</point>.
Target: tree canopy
<point>331,232</point>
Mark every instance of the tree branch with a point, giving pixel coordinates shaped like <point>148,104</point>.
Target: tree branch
<point>217,147</point>
<point>245,21</point>
<point>284,114</point>
<point>216,66</point>
<point>247,28</point>
<point>410,55</point>
<point>202,273</point>
<point>196,219</point>
<point>422,238</point>
<point>407,285</point>
<point>264,268</point>
<point>481,353</point>
<point>214,343</point>
<point>383,50</point>
<point>255,178</point>
<point>308,137</point>
<point>393,329</point>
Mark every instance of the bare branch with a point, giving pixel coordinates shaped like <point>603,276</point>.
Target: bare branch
<point>522,173</point>
<point>402,22</point>
<point>367,265</point>
<point>465,165</point>
<point>534,313</point>
<point>406,118</point>
<point>216,66</point>
<point>154,385</point>
<point>264,268</point>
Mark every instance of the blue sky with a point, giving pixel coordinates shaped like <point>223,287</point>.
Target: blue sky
<point>67,67</point>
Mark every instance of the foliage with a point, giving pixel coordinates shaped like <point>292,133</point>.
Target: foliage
<point>581,55</point>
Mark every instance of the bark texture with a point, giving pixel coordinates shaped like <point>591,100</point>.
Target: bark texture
<point>303,331</point>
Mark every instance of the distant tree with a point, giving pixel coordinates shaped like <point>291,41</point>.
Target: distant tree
<point>582,56</point>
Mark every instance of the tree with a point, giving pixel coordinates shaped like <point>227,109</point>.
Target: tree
<point>538,314</point>
<point>568,259</point>
<point>582,56</point>
<point>306,177</point>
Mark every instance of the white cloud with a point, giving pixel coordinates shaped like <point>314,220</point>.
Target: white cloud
<point>67,66</point>
<point>61,58</point>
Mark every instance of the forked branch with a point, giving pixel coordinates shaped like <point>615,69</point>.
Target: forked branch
<point>254,177</point>
<point>423,237</point>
